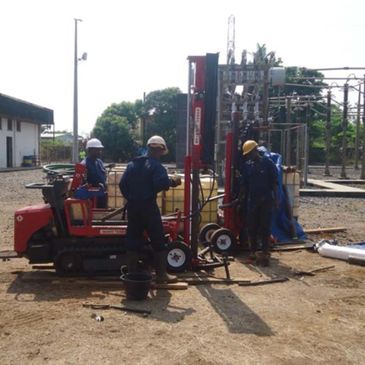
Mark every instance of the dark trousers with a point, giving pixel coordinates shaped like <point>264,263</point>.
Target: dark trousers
<point>102,201</point>
<point>259,224</point>
<point>144,218</point>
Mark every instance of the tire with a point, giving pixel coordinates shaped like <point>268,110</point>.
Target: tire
<point>178,256</point>
<point>223,240</point>
<point>68,263</point>
<point>206,232</point>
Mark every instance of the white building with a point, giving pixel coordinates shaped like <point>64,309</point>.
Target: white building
<point>20,130</point>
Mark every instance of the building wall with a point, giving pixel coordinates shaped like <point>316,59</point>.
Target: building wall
<point>25,141</point>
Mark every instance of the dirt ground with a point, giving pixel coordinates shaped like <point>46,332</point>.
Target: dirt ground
<point>307,320</point>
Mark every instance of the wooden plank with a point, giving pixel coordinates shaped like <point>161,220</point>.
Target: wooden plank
<point>323,268</point>
<point>43,267</point>
<point>215,281</point>
<point>171,286</point>
<point>313,271</point>
<point>292,247</point>
<point>8,254</point>
<point>265,282</point>
<point>326,230</point>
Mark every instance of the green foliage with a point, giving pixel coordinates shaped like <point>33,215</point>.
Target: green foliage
<point>117,126</point>
<point>128,110</point>
<point>55,151</point>
<point>117,136</point>
<point>317,137</point>
<point>160,108</point>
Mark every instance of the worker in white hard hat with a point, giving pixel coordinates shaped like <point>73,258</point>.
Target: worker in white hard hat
<point>259,183</point>
<point>143,179</point>
<point>96,173</point>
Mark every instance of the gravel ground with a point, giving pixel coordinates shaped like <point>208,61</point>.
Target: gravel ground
<point>307,320</point>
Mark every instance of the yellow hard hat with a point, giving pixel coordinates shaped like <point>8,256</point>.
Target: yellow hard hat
<point>248,146</point>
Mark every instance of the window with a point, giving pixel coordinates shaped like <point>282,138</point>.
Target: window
<point>18,125</point>
<point>10,125</point>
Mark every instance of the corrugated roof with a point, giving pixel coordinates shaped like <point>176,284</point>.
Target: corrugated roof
<point>19,109</point>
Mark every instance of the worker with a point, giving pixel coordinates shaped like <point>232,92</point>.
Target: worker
<point>95,170</point>
<point>82,155</point>
<point>259,184</point>
<point>142,180</point>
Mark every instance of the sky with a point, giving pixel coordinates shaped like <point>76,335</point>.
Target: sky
<point>142,45</point>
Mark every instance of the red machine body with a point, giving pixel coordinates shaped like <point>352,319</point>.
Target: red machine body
<point>27,221</point>
<point>197,107</point>
<point>75,237</point>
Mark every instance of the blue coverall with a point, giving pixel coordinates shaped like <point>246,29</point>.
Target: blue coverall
<point>143,179</point>
<point>259,179</point>
<point>96,175</point>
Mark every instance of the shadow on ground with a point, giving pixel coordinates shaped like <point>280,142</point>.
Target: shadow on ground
<point>46,286</point>
<point>238,316</point>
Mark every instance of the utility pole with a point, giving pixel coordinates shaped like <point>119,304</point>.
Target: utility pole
<point>328,135</point>
<point>287,134</point>
<point>362,176</point>
<point>231,40</point>
<point>357,136</point>
<point>75,147</point>
<point>265,104</point>
<point>344,130</point>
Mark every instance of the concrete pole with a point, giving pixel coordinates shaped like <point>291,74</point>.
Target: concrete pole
<point>357,136</point>
<point>288,134</point>
<point>344,131</point>
<point>362,176</point>
<point>328,135</point>
<point>75,146</point>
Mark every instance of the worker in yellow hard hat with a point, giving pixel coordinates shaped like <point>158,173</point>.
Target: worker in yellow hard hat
<point>259,183</point>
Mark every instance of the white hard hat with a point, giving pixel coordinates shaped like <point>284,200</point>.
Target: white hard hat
<point>94,143</point>
<point>157,141</point>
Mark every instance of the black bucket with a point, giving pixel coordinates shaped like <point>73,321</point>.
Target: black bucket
<point>137,285</point>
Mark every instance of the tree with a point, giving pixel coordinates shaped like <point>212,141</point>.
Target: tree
<point>160,114</point>
<point>128,110</point>
<point>117,135</point>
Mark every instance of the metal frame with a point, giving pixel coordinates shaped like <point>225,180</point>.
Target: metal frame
<point>287,147</point>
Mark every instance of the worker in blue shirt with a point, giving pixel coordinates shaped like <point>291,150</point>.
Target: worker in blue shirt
<point>259,184</point>
<point>142,180</point>
<point>95,170</point>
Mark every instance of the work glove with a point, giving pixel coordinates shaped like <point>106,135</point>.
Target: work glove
<point>175,181</point>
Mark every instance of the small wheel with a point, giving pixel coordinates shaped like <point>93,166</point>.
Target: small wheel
<point>223,240</point>
<point>68,263</point>
<point>206,232</point>
<point>178,256</point>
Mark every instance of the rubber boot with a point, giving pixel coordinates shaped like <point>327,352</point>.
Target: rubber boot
<point>265,261</point>
<point>263,258</point>
<point>160,263</point>
<point>252,257</point>
<point>132,261</point>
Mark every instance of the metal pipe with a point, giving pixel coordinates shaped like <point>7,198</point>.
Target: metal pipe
<point>335,68</point>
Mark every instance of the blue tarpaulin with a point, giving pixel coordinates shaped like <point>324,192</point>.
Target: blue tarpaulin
<point>283,227</point>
